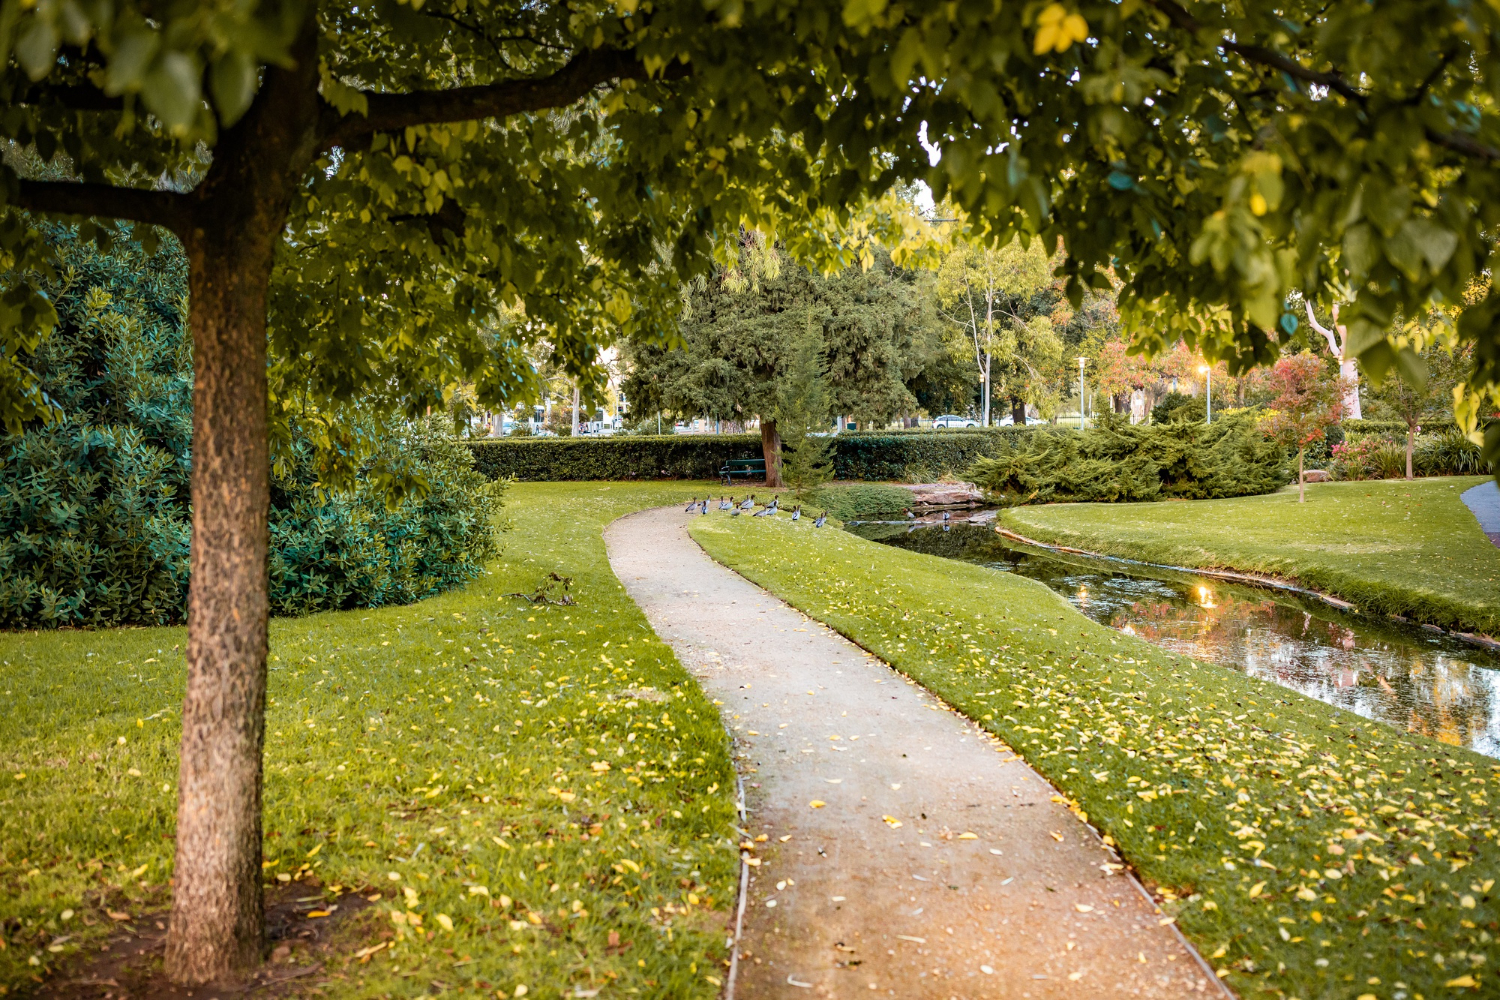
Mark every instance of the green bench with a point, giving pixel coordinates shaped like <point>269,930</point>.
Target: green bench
<point>742,467</point>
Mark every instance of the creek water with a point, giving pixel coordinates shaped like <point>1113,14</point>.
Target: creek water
<point>1417,680</point>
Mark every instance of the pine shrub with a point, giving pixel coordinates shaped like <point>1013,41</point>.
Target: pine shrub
<point>1117,462</point>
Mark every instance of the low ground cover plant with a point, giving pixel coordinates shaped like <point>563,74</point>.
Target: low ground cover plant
<point>1393,548</point>
<point>1305,851</point>
<point>1118,462</point>
<point>521,792</point>
<point>850,501</point>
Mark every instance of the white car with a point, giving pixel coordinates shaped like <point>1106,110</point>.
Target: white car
<point>953,420</point>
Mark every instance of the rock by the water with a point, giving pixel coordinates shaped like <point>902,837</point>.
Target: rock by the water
<point>943,494</point>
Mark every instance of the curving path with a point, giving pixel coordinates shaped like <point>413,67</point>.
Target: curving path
<point>939,866</point>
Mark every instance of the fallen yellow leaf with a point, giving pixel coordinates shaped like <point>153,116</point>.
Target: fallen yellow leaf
<point>891,821</point>
<point>1083,908</point>
<point>817,803</point>
<point>1056,836</point>
<point>968,836</point>
<point>1461,981</point>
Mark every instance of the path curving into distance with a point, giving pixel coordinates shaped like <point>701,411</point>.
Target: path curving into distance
<point>987,888</point>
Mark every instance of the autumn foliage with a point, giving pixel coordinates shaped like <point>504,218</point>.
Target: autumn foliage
<point>1307,399</point>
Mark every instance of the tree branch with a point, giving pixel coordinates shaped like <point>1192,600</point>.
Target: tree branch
<point>157,208</point>
<point>569,84</point>
<point>1465,144</point>
<point>1263,56</point>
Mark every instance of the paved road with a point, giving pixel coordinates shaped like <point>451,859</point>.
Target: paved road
<point>939,866</point>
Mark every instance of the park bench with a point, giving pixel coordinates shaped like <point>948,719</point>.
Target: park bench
<point>742,467</point>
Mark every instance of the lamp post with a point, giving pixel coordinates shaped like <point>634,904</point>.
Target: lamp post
<point>1208,392</point>
<point>1081,362</point>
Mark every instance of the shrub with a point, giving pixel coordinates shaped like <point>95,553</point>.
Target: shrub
<point>1179,407</point>
<point>94,506</point>
<point>1118,462</point>
<point>851,501</point>
<point>1448,453</point>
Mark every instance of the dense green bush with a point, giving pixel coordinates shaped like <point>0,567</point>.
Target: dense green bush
<point>864,455</point>
<point>1178,406</point>
<point>1119,462</point>
<point>94,506</point>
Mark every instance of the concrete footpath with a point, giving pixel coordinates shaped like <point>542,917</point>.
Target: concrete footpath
<point>902,851</point>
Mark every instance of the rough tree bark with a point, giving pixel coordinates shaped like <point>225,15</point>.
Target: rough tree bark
<point>235,221</point>
<point>1411,441</point>
<point>1018,411</point>
<point>770,447</point>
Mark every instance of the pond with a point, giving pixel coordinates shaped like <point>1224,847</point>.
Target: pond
<point>1424,682</point>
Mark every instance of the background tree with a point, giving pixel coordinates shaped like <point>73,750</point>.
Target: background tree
<point>987,293</point>
<point>1429,400</point>
<point>803,415</point>
<point>1306,399</point>
<point>740,328</point>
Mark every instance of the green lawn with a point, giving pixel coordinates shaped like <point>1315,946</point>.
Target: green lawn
<point>1307,852</point>
<point>515,781</point>
<point>1391,547</point>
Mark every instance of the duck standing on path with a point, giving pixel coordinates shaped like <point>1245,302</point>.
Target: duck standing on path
<point>691,504</point>
<point>704,511</point>
<point>822,519</point>
<point>749,503</point>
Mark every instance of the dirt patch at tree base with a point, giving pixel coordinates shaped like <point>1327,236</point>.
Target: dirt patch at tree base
<point>305,951</point>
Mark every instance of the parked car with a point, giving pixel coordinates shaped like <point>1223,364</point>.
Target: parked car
<point>953,420</point>
<point>1010,421</point>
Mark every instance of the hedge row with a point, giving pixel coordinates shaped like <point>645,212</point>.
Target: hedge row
<point>858,455</point>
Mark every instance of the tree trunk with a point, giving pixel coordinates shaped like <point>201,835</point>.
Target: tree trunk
<point>1350,373</point>
<point>1301,483</point>
<point>986,410</point>
<point>218,920</point>
<point>1017,411</point>
<point>770,447</point>
<point>1411,435</point>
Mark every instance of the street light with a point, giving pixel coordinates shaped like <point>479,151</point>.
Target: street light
<point>1081,361</point>
<point>1208,391</point>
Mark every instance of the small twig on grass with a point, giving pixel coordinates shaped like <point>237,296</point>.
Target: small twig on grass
<point>543,593</point>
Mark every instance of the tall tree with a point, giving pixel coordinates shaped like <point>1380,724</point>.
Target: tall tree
<point>740,330</point>
<point>411,165</point>
<point>988,294</point>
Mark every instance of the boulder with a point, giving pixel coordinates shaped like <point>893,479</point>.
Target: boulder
<point>1316,475</point>
<point>944,494</point>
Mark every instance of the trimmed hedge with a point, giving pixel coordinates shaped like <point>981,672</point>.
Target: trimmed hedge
<point>859,455</point>
<point>666,456</point>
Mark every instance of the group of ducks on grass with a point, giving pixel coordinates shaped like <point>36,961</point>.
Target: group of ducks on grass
<point>735,509</point>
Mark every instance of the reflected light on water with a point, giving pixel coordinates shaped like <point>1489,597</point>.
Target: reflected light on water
<point>1421,682</point>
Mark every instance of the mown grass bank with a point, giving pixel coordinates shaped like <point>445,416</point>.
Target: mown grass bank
<point>1307,852</point>
<point>520,784</point>
<point>1391,547</point>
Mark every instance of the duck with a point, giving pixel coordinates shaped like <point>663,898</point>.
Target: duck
<point>691,504</point>
<point>704,510</point>
<point>767,511</point>
<point>749,503</point>
<point>797,513</point>
<point>946,516</point>
<point>734,512</point>
<point>775,503</point>
<point>822,520</point>
<point>724,503</point>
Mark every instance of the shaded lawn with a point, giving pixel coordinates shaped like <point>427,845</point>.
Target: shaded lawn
<point>1391,547</point>
<point>1306,852</point>
<point>514,781</point>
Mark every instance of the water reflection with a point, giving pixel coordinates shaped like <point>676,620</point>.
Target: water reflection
<point>1425,683</point>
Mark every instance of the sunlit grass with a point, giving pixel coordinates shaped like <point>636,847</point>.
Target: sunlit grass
<point>535,776</point>
<point>1391,547</point>
<point>1307,852</point>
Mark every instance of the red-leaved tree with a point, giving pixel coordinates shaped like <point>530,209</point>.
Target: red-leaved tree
<point>1308,400</point>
